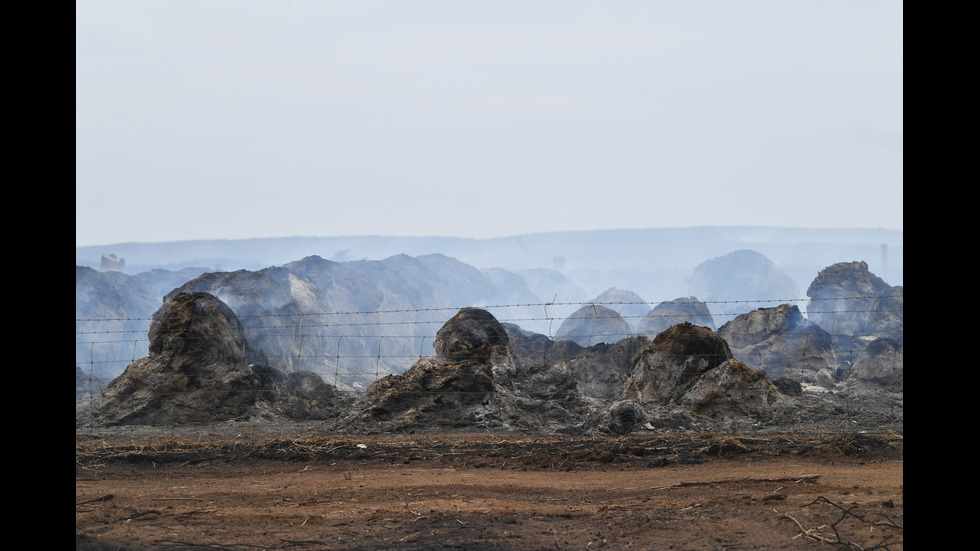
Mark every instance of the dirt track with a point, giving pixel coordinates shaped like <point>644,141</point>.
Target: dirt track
<point>247,490</point>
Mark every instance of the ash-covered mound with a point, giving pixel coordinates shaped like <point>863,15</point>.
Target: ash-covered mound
<point>532,349</point>
<point>687,377</point>
<point>673,361</point>
<point>437,387</point>
<point>879,366</point>
<point>782,342</point>
<point>627,303</point>
<point>729,279</point>
<point>473,381</point>
<point>600,370</point>
<point>847,299</point>
<point>668,314</point>
<point>594,324</point>
<point>274,303</point>
<point>468,346</point>
<point>108,304</point>
<point>858,309</point>
<point>196,372</point>
<point>732,389</point>
<point>473,334</point>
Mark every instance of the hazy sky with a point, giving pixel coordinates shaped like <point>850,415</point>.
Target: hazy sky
<point>205,119</point>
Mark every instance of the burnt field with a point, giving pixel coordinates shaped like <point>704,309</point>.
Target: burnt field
<point>243,486</point>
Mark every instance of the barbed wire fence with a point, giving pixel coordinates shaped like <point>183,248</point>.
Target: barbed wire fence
<point>352,349</point>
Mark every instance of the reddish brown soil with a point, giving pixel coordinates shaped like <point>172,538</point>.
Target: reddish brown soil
<point>488,491</point>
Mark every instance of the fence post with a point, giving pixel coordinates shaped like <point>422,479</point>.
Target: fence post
<point>377,366</point>
<point>336,373</point>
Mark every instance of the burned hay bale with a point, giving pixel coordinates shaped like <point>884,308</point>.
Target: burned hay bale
<point>435,388</point>
<point>474,380</point>
<point>880,366</point>
<point>593,324</point>
<point>671,364</point>
<point>782,342</point>
<point>668,314</point>
<point>196,372</point>
<point>473,334</point>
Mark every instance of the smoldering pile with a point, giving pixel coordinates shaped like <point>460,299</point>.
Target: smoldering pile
<point>485,375</point>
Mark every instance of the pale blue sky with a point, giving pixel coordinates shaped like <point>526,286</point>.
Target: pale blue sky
<point>206,119</point>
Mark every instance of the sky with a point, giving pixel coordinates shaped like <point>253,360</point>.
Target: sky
<point>232,119</point>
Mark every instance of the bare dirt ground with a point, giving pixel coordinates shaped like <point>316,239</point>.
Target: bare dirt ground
<point>245,488</point>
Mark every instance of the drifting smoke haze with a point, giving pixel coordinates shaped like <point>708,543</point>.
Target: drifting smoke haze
<point>647,267</point>
<point>653,263</point>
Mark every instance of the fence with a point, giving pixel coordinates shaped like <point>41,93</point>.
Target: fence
<point>352,349</point>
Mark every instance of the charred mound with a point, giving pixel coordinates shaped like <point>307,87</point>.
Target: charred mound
<point>593,324</point>
<point>740,274</point>
<point>847,299</point>
<point>859,309</point>
<point>673,361</point>
<point>534,349</point>
<point>732,389</point>
<point>107,304</point>
<point>474,380</point>
<point>879,366</point>
<point>600,370</point>
<point>473,334</point>
<point>196,372</point>
<point>460,375</point>
<point>782,342</point>
<point>668,314</point>
<point>687,377</point>
<point>627,303</point>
